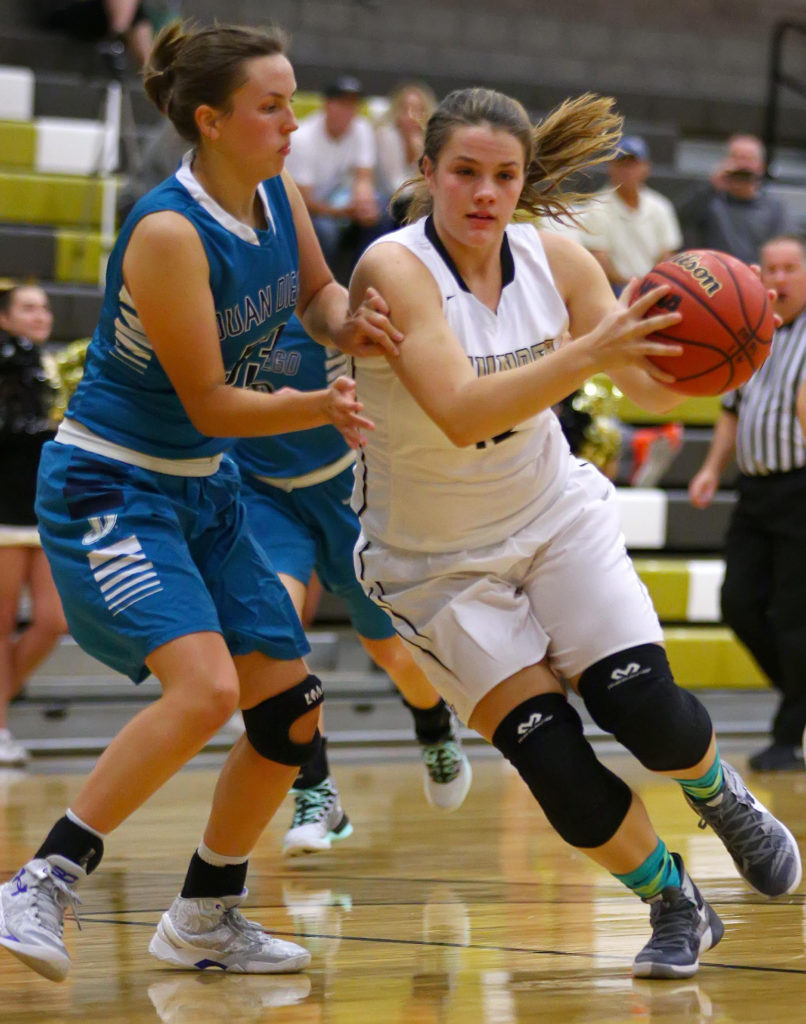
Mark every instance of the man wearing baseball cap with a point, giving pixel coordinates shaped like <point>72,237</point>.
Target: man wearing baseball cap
<point>333,160</point>
<point>628,226</point>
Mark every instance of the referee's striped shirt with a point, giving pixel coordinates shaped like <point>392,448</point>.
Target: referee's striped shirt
<point>769,438</point>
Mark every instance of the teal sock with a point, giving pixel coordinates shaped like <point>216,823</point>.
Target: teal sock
<point>708,785</point>
<point>649,878</point>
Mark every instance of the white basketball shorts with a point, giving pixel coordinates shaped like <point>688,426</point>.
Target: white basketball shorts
<point>563,587</point>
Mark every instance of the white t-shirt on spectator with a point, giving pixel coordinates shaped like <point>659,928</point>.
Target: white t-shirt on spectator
<point>327,165</point>
<point>633,238</point>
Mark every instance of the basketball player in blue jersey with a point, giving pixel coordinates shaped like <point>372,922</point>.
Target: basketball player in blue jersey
<point>140,514</point>
<point>497,554</point>
<point>297,488</point>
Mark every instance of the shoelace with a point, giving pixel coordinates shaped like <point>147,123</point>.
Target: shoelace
<point>46,902</point>
<point>312,804</point>
<point>665,917</point>
<point>737,817</point>
<point>240,923</point>
<point>442,761</point>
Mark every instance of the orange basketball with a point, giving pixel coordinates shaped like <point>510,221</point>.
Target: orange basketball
<point>727,324</point>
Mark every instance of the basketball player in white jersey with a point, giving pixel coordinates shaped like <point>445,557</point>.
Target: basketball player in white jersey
<point>498,555</point>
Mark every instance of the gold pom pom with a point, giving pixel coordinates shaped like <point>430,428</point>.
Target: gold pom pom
<point>65,369</point>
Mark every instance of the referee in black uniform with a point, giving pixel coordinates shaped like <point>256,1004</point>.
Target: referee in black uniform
<point>764,423</point>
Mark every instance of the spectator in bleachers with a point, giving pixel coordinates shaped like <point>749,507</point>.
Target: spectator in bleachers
<point>735,213</point>
<point>629,227</point>
<point>25,322</point>
<point>333,160</point>
<point>764,423</point>
<point>400,134</point>
<point>95,20</point>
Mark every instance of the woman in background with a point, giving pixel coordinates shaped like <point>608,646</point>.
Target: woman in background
<point>25,425</point>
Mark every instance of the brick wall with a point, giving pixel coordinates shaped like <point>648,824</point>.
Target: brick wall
<point>702,63</point>
<point>699,63</point>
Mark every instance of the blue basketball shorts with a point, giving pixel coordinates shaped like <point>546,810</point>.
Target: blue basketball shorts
<point>315,528</point>
<point>141,558</point>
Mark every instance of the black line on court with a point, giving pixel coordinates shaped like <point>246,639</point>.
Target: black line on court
<point>478,886</point>
<point>476,947</point>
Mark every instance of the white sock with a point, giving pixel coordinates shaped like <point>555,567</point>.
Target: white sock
<point>218,860</point>
<point>82,824</point>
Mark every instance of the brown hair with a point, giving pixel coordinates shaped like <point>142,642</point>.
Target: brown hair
<point>9,289</point>
<point>190,67</point>
<point>794,239</point>
<point>578,134</point>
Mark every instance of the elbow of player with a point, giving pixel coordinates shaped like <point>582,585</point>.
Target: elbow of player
<point>460,436</point>
<point>203,417</point>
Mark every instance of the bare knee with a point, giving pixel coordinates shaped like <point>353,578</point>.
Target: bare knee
<point>198,678</point>
<point>208,703</point>
<point>390,655</point>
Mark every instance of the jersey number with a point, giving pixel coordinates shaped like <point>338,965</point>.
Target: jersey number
<point>262,347</point>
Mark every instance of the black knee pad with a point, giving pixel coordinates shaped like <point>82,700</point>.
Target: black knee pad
<point>584,801</point>
<point>268,724</point>
<point>633,695</point>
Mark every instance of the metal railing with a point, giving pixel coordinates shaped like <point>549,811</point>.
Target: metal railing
<point>777,80</point>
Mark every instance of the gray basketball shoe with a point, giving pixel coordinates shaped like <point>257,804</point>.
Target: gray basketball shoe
<point>201,933</point>
<point>763,849</point>
<point>32,907</point>
<point>683,926</point>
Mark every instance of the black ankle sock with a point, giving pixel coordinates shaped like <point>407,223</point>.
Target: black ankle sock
<point>315,771</point>
<point>205,880</point>
<point>431,725</point>
<point>73,842</point>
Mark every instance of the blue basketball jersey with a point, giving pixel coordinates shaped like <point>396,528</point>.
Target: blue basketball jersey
<point>125,395</point>
<point>295,361</point>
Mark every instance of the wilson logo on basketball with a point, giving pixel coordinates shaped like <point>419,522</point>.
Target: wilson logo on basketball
<point>726,321</point>
<point>702,275</point>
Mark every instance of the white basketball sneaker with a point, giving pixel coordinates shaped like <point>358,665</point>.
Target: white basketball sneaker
<point>12,753</point>
<point>212,933</point>
<point>447,772</point>
<point>32,907</point>
<point>318,820</point>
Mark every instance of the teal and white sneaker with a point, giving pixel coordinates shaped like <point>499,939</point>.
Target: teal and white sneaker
<point>683,927</point>
<point>318,820</point>
<point>447,772</point>
<point>763,849</point>
<point>199,934</point>
<point>32,907</point>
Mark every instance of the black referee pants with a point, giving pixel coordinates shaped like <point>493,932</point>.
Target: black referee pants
<point>764,593</point>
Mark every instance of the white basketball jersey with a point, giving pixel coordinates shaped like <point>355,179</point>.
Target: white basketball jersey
<point>414,489</point>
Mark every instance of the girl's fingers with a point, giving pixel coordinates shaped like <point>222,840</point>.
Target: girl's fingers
<point>648,299</point>
<point>650,324</point>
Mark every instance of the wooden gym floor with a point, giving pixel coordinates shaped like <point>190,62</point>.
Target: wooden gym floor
<point>480,917</point>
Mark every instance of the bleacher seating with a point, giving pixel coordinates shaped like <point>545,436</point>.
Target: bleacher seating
<point>58,192</point>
